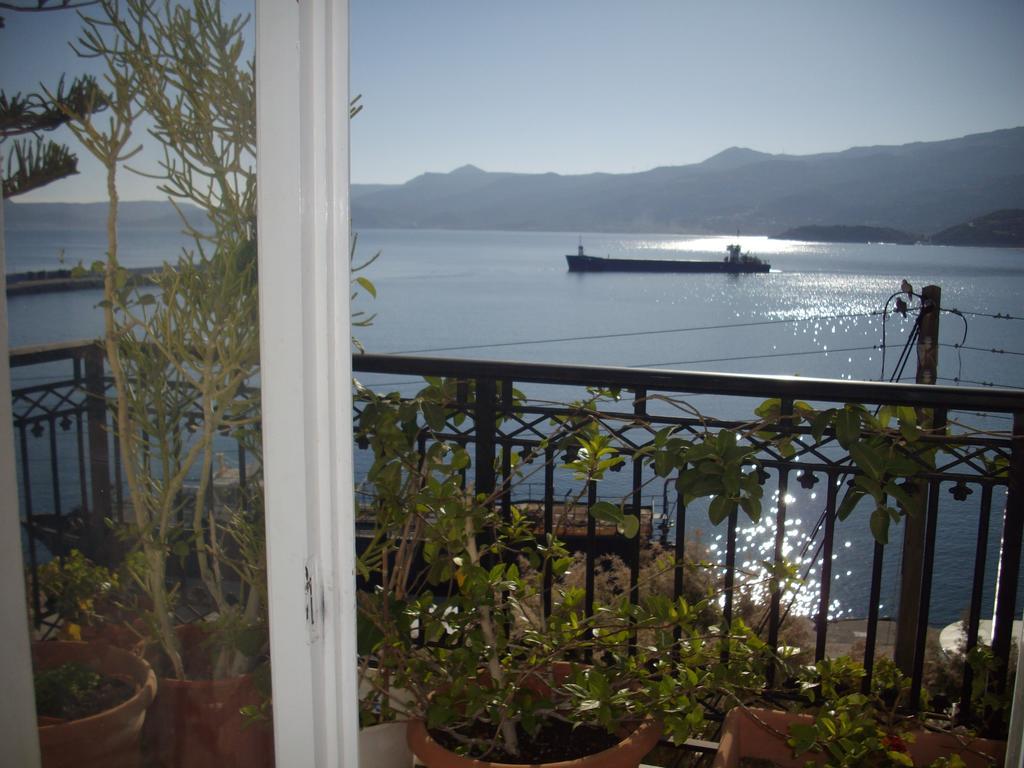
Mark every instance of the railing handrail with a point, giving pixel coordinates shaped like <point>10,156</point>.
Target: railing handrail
<point>700,382</point>
<point>45,353</point>
<point>993,399</point>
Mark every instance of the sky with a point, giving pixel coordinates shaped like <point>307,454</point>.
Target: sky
<point>580,86</point>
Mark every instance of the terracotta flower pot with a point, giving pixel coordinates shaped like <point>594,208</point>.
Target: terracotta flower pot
<point>626,754</point>
<point>111,738</point>
<point>752,732</point>
<point>118,635</point>
<point>198,723</point>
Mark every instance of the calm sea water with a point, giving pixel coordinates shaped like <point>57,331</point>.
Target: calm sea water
<point>508,295</point>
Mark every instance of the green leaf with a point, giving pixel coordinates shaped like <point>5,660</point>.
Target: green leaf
<point>907,415</point>
<point>821,422</point>
<point>664,463</point>
<point>752,507</point>
<point>720,508</point>
<point>769,410</point>
<point>606,512</point>
<point>630,526</point>
<point>868,458</point>
<point>886,414</point>
<point>910,432</point>
<point>847,427</point>
<point>726,440</point>
<point>850,500</point>
<point>869,486</point>
<point>911,502</point>
<point>880,525</point>
<point>367,286</point>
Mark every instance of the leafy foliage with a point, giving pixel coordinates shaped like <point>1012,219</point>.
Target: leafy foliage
<point>184,349</point>
<point>856,729</point>
<point>32,161</point>
<point>75,589</point>
<point>454,617</point>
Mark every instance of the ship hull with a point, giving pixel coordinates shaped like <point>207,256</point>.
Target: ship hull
<point>596,264</point>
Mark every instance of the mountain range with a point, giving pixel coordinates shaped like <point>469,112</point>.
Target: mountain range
<point>919,187</point>
<point>132,214</point>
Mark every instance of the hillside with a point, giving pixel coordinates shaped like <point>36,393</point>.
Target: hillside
<point>132,214</point>
<point>919,187</point>
<point>1001,228</point>
<point>841,233</point>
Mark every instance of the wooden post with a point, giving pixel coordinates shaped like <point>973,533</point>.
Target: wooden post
<point>915,526</point>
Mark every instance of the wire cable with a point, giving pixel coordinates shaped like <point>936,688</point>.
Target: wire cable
<point>756,357</point>
<point>997,316</point>
<point>628,334</point>
<point>993,350</point>
<point>958,380</point>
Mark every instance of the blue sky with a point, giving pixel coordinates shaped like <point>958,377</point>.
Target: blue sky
<point>576,86</point>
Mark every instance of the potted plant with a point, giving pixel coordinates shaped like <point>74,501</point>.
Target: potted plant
<point>91,701</point>
<point>844,726</point>
<point>183,352</point>
<point>453,614</point>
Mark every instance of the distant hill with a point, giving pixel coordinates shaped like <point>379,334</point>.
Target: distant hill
<point>1001,228</point>
<point>842,233</point>
<point>131,215</point>
<point>919,187</point>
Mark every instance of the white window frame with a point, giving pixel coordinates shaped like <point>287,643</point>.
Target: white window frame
<point>17,704</point>
<point>303,228</point>
<point>306,374</point>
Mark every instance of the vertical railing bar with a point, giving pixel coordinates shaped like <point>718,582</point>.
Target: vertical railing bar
<point>421,451</point>
<point>680,549</point>
<point>591,556</point>
<point>640,412</point>
<point>506,479</point>
<point>977,590</point>
<point>549,522</point>
<point>926,583</point>
<point>679,572</point>
<point>872,628</point>
<point>825,593</point>
<point>58,511</point>
<point>640,402</point>
<point>1009,555</point>
<point>780,534</point>
<point>730,579</point>
<point>591,548</point>
<point>30,523</point>
<point>211,494</point>
<point>634,550</point>
<point>927,563</point>
<point>243,480</point>
<point>507,397</point>
<point>483,420</point>
<point>83,485</point>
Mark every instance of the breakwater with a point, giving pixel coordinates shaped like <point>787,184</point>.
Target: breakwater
<point>59,280</point>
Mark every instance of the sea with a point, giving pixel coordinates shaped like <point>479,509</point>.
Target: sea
<point>509,296</point>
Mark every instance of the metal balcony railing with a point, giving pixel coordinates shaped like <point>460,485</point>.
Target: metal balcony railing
<point>70,481</point>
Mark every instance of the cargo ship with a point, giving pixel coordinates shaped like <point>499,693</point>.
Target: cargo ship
<point>734,262</point>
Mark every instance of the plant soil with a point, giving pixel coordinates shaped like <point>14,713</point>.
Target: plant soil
<point>555,741</point>
<point>109,693</point>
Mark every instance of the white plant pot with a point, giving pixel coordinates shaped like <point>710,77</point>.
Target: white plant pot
<point>384,746</point>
